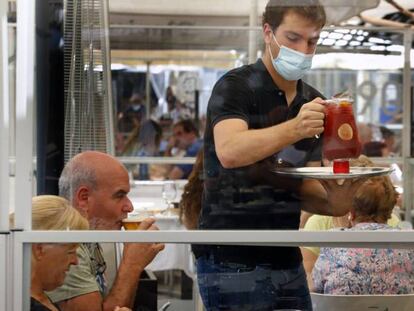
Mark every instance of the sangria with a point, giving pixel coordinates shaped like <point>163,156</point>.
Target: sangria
<point>341,140</point>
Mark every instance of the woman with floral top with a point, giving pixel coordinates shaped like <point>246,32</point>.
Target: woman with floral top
<point>357,271</point>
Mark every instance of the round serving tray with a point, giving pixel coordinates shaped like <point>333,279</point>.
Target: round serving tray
<point>327,172</point>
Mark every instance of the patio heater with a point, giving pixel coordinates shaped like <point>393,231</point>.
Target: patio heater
<point>88,97</point>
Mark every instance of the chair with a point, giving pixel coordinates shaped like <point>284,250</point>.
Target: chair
<point>322,302</point>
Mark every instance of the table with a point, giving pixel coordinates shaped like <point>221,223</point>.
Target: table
<point>147,196</point>
<point>174,256</point>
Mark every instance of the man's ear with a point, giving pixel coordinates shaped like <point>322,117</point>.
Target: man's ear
<point>267,33</point>
<point>37,251</point>
<point>82,200</point>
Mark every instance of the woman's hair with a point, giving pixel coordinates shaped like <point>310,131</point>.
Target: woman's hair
<point>376,198</point>
<point>277,9</point>
<point>362,161</point>
<point>190,204</point>
<point>50,212</point>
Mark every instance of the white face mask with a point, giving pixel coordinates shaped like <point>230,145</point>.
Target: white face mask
<point>291,64</point>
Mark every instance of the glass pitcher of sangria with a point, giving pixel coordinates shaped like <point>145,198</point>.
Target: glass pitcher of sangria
<point>341,140</point>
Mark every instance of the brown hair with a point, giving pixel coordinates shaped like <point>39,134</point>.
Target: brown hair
<point>188,126</point>
<point>277,9</point>
<point>190,204</point>
<point>375,200</point>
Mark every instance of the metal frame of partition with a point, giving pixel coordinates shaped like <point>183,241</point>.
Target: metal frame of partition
<point>3,271</point>
<point>407,119</point>
<point>25,69</point>
<point>4,118</point>
<point>22,248</point>
<point>15,246</point>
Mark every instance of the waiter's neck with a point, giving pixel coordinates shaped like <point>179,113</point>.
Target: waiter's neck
<point>289,87</point>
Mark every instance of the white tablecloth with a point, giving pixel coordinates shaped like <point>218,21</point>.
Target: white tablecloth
<point>147,196</point>
<point>174,256</point>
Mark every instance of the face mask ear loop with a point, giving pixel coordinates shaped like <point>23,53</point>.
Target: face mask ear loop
<point>270,50</point>
<point>274,38</point>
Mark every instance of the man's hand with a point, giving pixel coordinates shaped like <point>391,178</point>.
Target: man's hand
<point>340,195</point>
<point>309,121</point>
<point>141,254</point>
<point>172,143</point>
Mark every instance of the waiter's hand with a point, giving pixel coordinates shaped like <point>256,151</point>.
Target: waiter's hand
<point>309,121</point>
<point>340,194</point>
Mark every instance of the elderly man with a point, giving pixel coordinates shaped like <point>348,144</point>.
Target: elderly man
<point>97,185</point>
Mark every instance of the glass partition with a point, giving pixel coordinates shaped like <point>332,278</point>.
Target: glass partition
<point>251,223</point>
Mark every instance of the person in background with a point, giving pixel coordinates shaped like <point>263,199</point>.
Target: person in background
<point>186,138</point>
<point>144,141</point>
<point>375,149</point>
<point>361,271</point>
<point>324,223</point>
<point>97,184</point>
<point>190,204</point>
<point>364,132</point>
<point>170,98</point>
<point>259,117</point>
<point>51,213</point>
<point>388,137</point>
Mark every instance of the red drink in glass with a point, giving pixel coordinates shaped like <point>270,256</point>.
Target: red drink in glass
<point>341,140</point>
<point>341,166</point>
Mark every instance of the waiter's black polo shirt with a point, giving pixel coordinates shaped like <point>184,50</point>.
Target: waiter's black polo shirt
<point>252,197</point>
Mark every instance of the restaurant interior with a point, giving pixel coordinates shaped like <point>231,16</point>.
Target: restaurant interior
<point>117,76</point>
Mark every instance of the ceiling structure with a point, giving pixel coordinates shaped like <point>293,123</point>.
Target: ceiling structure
<point>217,25</point>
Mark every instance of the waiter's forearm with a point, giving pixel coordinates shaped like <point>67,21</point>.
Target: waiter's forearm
<point>246,147</point>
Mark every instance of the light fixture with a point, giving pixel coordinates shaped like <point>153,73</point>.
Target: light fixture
<point>347,37</point>
<point>395,48</point>
<point>328,42</point>
<point>377,48</point>
<point>341,43</point>
<point>323,34</point>
<point>376,40</point>
<point>335,35</point>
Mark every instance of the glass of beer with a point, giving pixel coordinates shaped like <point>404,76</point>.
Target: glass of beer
<point>133,220</point>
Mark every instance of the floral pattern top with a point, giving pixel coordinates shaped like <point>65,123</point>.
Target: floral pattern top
<point>359,271</point>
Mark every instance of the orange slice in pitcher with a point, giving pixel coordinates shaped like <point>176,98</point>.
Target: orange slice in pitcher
<point>345,132</point>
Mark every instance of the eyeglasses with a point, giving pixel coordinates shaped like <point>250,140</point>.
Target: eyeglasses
<point>98,261</point>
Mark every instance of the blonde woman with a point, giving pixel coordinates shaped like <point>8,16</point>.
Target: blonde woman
<point>50,262</point>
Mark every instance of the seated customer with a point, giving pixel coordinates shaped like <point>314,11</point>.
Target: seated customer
<point>358,271</point>
<point>97,185</point>
<point>323,223</point>
<point>51,213</point>
<point>186,138</point>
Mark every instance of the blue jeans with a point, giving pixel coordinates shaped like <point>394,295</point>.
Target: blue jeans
<point>234,286</point>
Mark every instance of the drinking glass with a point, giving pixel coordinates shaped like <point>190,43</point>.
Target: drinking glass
<point>169,192</point>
